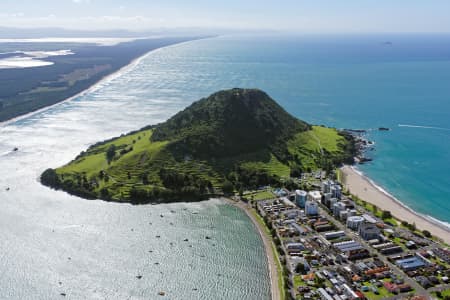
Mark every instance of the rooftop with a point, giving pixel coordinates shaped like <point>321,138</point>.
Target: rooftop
<point>369,218</point>
<point>315,194</point>
<point>410,263</point>
<point>301,193</point>
<point>348,246</point>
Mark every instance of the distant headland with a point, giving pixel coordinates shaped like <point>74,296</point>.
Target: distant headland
<point>64,73</point>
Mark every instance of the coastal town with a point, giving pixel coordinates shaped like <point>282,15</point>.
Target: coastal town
<point>330,244</point>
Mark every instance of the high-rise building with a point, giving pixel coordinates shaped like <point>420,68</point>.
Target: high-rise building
<point>300,198</point>
<point>354,222</point>
<point>311,208</point>
<point>315,196</point>
<point>369,231</point>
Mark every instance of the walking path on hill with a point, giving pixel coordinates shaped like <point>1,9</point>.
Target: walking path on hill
<point>318,142</point>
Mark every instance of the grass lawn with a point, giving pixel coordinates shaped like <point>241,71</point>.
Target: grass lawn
<point>260,195</point>
<point>444,293</point>
<point>378,214</point>
<point>135,156</point>
<point>398,241</point>
<point>369,208</point>
<point>137,161</point>
<point>273,166</point>
<point>383,293</point>
<point>339,176</point>
<point>298,281</point>
<point>309,145</point>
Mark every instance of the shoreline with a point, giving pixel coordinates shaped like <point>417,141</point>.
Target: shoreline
<point>96,85</point>
<point>267,242</point>
<point>363,187</point>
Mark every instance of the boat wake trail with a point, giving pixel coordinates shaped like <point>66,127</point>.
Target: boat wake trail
<point>425,127</point>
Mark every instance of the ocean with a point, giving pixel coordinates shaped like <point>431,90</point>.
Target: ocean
<point>54,243</point>
<point>347,81</point>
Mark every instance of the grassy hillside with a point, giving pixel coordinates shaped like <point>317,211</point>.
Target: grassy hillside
<point>230,123</point>
<point>321,146</point>
<point>203,151</point>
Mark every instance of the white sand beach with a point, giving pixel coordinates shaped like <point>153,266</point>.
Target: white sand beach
<point>366,190</point>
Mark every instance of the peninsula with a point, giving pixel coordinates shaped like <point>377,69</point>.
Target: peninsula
<point>320,239</point>
<point>62,69</point>
<point>233,140</point>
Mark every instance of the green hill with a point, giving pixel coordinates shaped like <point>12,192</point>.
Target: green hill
<point>233,139</point>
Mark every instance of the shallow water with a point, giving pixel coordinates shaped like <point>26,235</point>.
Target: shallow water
<point>348,82</point>
<point>55,243</point>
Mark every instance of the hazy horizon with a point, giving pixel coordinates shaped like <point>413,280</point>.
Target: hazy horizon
<point>285,16</point>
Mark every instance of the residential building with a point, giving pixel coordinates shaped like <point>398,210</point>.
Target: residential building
<point>343,215</point>
<point>334,234</point>
<point>411,263</point>
<point>323,294</point>
<point>336,191</point>
<point>368,231</point>
<point>354,222</point>
<point>314,196</point>
<point>311,208</point>
<point>326,199</point>
<point>338,207</point>
<point>326,186</point>
<point>369,219</point>
<point>347,246</point>
<point>300,198</point>
<point>331,203</point>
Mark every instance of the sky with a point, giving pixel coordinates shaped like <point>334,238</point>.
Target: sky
<point>308,16</point>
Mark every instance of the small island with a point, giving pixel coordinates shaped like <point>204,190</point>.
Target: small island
<point>233,140</point>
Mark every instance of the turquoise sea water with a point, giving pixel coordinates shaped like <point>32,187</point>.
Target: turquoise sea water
<point>356,82</point>
<point>54,243</point>
<point>346,82</point>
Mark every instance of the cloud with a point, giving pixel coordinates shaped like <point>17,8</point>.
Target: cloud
<point>12,15</point>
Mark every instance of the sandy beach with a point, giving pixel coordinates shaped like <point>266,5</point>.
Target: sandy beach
<point>95,85</point>
<point>267,241</point>
<point>360,186</point>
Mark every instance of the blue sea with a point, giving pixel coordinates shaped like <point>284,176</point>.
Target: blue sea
<point>54,243</point>
<point>361,82</point>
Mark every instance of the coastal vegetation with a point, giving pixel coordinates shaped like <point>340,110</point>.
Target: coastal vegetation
<point>23,90</point>
<point>280,270</point>
<point>233,140</point>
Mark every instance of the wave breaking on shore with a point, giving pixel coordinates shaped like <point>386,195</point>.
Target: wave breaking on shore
<point>435,221</point>
<point>365,188</point>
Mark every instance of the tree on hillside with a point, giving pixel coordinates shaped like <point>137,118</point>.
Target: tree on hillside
<point>111,153</point>
<point>145,178</point>
<point>296,171</point>
<point>227,187</point>
<point>241,191</point>
<point>50,178</point>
